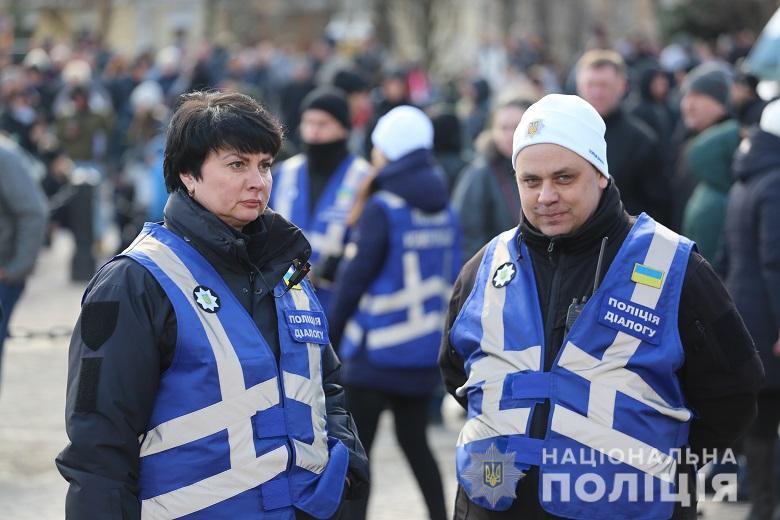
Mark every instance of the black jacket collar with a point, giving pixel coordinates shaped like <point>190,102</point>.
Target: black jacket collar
<point>269,243</point>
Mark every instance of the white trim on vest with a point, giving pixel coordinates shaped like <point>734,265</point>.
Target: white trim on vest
<point>288,181</point>
<point>246,471</point>
<point>308,390</point>
<point>331,242</point>
<point>491,370</point>
<point>608,375</point>
<point>412,297</point>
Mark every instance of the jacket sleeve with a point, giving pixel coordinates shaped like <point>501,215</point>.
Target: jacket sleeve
<point>451,364</point>
<point>113,374</point>
<point>26,204</point>
<point>722,372</point>
<point>359,268</point>
<point>342,427</point>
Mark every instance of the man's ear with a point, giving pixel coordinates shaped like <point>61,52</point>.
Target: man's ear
<point>603,181</point>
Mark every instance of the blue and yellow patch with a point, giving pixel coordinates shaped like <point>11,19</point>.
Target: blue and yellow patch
<point>646,275</point>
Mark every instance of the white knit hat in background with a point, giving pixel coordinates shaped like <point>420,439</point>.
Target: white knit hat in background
<point>770,118</point>
<point>402,130</point>
<point>568,121</point>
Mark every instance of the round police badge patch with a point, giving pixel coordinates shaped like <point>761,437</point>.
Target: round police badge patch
<point>504,274</point>
<point>206,298</point>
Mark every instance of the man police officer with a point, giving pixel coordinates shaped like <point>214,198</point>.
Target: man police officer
<point>653,360</point>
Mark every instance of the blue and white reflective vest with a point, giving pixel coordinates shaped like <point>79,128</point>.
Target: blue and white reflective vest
<point>325,227</point>
<point>400,318</point>
<point>233,434</point>
<point>613,390</point>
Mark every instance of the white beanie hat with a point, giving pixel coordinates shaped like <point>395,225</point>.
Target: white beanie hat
<point>770,118</point>
<point>567,121</point>
<point>402,130</point>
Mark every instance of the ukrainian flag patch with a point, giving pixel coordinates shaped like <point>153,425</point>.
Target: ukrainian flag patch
<point>646,275</point>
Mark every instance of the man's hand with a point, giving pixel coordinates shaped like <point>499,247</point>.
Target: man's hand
<point>776,346</point>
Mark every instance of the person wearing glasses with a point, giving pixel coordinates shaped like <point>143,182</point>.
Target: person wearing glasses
<point>201,378</point>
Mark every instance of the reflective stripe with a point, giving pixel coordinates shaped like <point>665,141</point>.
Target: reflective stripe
<point>331,242</point>
<point>411,297</point>
<point>399,333</point>
<point>210,420</point>
<point>608,375</point>
<point>492,369</point>
<point>229,371</point>
<point>308,390</point>
<point>217,488</point>
<point>612,442</point>
<point>406,297</point>
<point>287,186</point>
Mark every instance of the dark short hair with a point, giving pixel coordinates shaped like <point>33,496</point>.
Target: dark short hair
<point>205,122</point>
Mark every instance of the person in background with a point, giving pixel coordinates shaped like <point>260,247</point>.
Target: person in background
<point>391,292</point>
<point>707,158</point>
<point>485,196</point>
<point>752,267</point>
<point>448,145</point>
<point>316,189</point>
<point>23,213</point>
<point>633,151</point>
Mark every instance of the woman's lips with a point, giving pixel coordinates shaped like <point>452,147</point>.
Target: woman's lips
<point>251,203</point>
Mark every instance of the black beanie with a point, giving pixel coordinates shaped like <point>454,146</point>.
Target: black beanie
<point>350,81</point>
<point>711,80</point>
<point>330,100</point>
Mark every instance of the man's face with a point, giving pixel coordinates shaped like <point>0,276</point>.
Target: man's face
<point>559,190</point>
<point>700,111</point>
<point>505,121</point>
<point>319,127</point>
<point>603,87</point>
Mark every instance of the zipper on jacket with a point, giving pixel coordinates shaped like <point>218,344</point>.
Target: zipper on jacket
<point>550,250</point>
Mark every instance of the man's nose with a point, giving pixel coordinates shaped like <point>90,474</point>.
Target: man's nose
<point>548,194</point>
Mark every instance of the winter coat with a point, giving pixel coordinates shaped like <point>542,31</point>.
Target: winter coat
<point>708,159</point>
<point>486,200</point>
<point>417,179</point>
<point>752,245</point>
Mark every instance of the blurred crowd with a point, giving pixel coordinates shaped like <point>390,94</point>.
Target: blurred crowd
<point>675,118</point>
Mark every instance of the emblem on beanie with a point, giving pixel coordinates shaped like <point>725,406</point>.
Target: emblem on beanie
<point>504,274</point>
<point>534,127</point>
<point>206,299</point>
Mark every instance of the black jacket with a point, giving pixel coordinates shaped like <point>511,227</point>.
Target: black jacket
<point>636,163</point>
<point>721,373</point>
<point>125,338</point>
<point>752,238</point>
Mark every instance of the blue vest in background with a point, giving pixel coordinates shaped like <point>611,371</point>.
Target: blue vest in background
<point>400,319</point>
<point>233,433</point>
<point>613,388</point>
<point>326,226</point>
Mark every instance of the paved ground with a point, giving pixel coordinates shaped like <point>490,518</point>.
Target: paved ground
<point>32,403</point>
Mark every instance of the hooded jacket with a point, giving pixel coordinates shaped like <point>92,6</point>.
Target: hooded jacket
<point>416,178</point>
<point>708,160</point>
<point>721,373</point>
<point>752,235</point>
<point>126,337</point>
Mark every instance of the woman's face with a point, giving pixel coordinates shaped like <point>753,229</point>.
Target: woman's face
<point>234,186</point>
